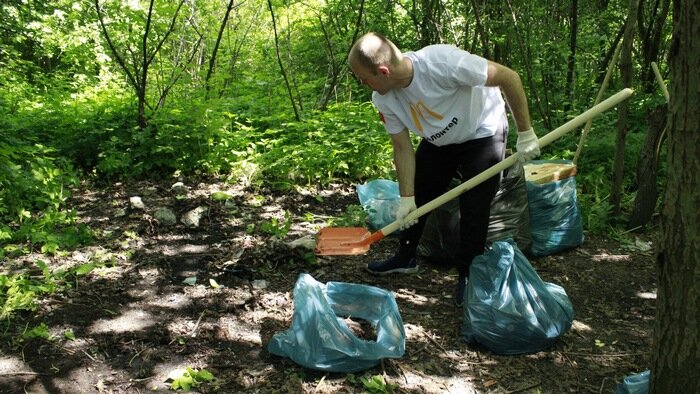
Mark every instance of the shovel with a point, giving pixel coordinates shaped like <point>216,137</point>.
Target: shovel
<point>357,240</point>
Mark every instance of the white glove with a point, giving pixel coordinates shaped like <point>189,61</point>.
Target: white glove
<point>527,145</point>
<point>407,205</point>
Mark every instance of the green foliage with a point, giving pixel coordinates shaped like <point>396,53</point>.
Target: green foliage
<point>220,196</point>
<point>54,230</point>
<point>345,142</point>
<point>31,178</point>
<point>375,384</point>
<point>594,199</point>
<point>277,228</point>
<point>595,178</point>
<point>69,334</point>
<point>34,187</point>
<point>191,378</point>
<point>41,332</point>
<point>20,291</point>
<point>354,216</point>
<point>16,293</point>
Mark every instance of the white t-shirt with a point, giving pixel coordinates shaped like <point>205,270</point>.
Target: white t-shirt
<point>446,102</point>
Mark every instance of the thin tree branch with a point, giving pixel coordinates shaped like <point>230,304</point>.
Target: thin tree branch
<point>528,67</point>
<point>212,59</point>
<point>480,29</point>
<point>171,28</point>
<point>121,62</point>
<point>279,60</point>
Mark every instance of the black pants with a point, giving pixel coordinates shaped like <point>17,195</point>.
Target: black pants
<point>436,166</point>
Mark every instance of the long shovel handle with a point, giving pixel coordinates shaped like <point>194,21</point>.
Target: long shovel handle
<point>508,162</point>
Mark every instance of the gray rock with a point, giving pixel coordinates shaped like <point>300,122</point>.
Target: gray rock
<point>179,188</point>
<point>136,203</point>
<point>165,216</point>
<point>192,218</point>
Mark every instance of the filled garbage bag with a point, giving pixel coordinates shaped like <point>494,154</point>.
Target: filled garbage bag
<point>380,198</point>
<point>320,339</point>
<point>555,220</point>
<point>509,218</point>
<point>634,384</point>
<point>508,308</point>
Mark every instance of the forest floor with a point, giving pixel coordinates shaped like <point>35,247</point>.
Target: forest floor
<point>137,324</point>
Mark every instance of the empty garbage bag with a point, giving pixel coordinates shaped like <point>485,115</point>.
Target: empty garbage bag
<point>380,198</point>
<point>509,309</point>
<point>320,339</point>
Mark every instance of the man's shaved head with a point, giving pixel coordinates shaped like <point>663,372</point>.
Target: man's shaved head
<point>372,50</point>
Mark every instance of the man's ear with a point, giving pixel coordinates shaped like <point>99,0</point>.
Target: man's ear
<point>384,70</point>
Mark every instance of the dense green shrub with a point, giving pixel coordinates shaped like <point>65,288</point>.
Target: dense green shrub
<point>345,142</point>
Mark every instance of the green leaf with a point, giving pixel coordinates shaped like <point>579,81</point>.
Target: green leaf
<point>84,269</point>
<point>220,196</point>
<point>184,382</point>
<point>44,267</point>
<point>40,331</point>
<point>205,375</point>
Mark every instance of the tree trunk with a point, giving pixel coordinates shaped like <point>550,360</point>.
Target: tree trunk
<point>428,27</point>
<point>212,59</point>
<point>604,63</point>
<point>676,349</point>
<point>528,68</point>
<point>623,108</point>
<point>333,68</point>
<point>481,32</point>
<point>137,71</point>
<point>647,166</point>
<point>571,63</point>
<point>279,61</point>
<point>651,36</point>
<point>234,51</point>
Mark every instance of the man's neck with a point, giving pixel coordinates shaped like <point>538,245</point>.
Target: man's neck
<point>404,73</point>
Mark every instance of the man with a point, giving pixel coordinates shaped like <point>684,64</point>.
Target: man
<point>452,99</point>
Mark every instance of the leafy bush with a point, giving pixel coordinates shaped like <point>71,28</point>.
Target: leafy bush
<point>20,291</point>
<point>34,186</point>
<point>345,142</point>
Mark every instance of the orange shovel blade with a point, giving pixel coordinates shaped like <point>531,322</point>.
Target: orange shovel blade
<point>343,241</point>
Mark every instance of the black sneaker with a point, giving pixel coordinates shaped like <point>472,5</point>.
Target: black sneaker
<point>459,292</point>
<point>393,265</point>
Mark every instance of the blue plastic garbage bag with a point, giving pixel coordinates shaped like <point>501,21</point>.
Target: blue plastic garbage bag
<point>634,384</point>
<point>320,339</point>
<point>380,198</point>
<point>509,309</point>
<point>555,220</point>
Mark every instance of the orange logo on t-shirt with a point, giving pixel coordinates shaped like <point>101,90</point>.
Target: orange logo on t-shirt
<point>417,113</point>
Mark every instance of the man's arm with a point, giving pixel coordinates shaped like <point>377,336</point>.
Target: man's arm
<point>512,87</point>
<point>405,162</point>
<point>509,82</point>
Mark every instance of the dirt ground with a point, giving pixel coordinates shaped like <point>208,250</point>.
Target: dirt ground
<point>136,323</point>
